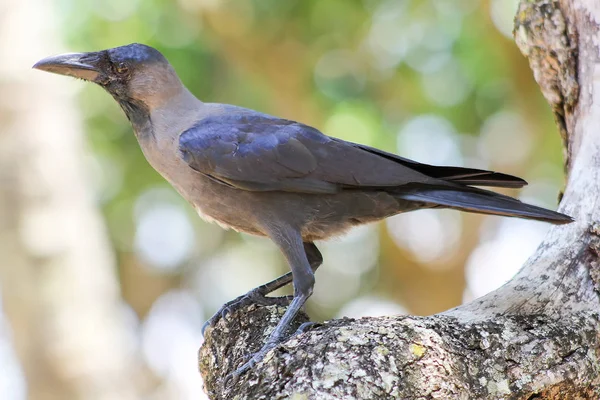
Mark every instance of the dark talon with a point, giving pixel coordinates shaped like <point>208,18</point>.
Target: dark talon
<point>255,358</point>
<point>226,309</point>
<point>306,327</point>
<point>250,360</point>
<point>231,379</point>
<point>252,297</point>
<point>234,377</point>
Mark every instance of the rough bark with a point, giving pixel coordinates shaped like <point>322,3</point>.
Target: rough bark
<point>59,287</point>
<point>535,337</point>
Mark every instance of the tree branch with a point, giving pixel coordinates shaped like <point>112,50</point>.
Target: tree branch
<point>535,337</point>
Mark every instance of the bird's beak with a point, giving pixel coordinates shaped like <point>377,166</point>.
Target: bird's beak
<point>79,65</point>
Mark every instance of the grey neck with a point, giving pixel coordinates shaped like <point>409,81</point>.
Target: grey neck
<point>142,118</point>
<point>139,115</point>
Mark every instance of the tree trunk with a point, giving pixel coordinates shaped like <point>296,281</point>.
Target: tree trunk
<point>535,337</point>
<point>59,287</point>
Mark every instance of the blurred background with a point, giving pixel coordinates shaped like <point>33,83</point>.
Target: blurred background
<point>106,274</point>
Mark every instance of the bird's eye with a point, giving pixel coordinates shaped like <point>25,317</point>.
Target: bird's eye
<point>122,68</point>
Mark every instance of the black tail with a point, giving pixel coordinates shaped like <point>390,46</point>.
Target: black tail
<point>481,201</point>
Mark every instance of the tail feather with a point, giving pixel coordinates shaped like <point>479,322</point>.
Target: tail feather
<point>484,202</point>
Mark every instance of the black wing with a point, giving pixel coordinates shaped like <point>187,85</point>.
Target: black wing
<point>253,151</point>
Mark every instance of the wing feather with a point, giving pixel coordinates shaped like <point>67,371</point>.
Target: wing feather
<point>253,151</point>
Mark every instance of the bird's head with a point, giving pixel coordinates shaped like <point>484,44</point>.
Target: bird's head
<point>133,74</point>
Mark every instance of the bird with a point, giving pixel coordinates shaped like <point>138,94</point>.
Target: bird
<point>268,176</point>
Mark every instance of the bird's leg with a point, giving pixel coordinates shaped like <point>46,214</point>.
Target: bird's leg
<point>315,260</point>
<point>296,253</point>
<point>258,294</point>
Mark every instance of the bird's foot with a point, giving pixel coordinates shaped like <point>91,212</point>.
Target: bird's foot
<point>254,359</point>
<point>252,297</point>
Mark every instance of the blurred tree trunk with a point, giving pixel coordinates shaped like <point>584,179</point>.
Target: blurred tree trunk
<point>57,273</point>
<point>536,337</point>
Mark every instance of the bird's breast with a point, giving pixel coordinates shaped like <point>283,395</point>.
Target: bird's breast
<point>212,201</point>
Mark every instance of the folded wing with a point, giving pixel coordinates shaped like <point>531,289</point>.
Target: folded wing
<point>253,151</point>
<point>465,176</point>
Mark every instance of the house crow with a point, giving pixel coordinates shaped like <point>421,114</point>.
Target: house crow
<point>274,177</point>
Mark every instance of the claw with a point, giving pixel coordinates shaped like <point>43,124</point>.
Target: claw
<point>205,327</point>
<point>306,327</point>
<point>255,358</point>
<point>227,308</point>
<point>252,297</point>
<point>231,379</point>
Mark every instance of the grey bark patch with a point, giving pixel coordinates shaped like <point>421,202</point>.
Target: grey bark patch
<point>549,42</point>
<point>513,356</point>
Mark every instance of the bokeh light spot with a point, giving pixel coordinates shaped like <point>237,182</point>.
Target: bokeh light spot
<point>352,122</point>
<point>430,235</point>
<point>164,235</point>
<point>430,139</point>
<point>505,139</point>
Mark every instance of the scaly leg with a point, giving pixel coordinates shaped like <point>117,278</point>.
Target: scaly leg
<point>297,254</point>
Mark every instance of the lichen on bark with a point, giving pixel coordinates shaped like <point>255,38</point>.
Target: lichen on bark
<point>437,357</point>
